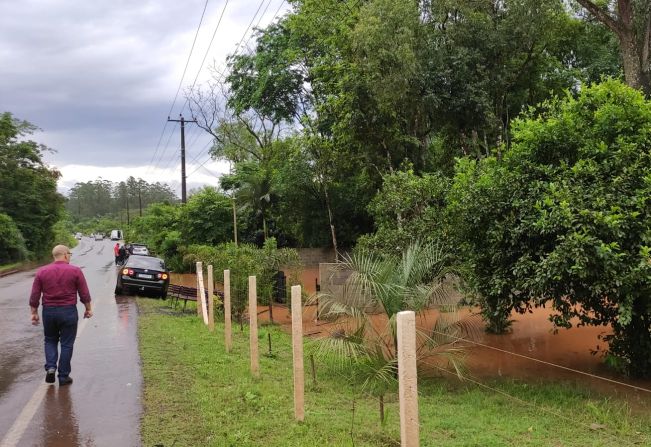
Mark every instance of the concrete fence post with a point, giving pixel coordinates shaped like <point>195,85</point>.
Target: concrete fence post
<point>228,340</point>
<point>297,343</point>
<point>408,379</point>
<point>199,273</point>
<point>211,304</point>
<point>201,296</point>
<point>253,327</point>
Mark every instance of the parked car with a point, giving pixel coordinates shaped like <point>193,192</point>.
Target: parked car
<point>78,236</point>
<point>116,235</point>
<point>139,249</point>
<point>143,274</point>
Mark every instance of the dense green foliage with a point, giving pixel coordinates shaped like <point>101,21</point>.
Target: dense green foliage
<point>246,260</point>
<point>379,122</point>
<point>565,218</point>
<point>123,201</point>
<point>29,202</point>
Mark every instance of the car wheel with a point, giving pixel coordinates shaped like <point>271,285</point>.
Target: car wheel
<point>118,290</point>
<point>163,294</point>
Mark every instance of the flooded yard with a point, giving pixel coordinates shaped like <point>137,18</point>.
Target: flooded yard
<point>532,350</point>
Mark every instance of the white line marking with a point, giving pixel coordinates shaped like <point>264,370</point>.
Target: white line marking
<point>29,410</point>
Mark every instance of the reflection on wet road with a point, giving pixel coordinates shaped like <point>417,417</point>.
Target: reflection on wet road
<point>102,407</point>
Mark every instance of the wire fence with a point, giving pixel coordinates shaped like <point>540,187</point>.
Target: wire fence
<point>389,399</point>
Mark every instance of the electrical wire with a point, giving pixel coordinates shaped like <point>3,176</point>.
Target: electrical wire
<point>181,80</point>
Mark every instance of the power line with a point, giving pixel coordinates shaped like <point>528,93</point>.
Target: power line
<point>207,51</point>
<point>181,80</point>
<point>237,47</point>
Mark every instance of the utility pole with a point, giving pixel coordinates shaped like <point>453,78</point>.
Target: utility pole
<point>182,121</point>
<point>140,197</point>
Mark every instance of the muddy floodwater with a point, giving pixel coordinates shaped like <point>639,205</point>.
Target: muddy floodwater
<point>532,350</point>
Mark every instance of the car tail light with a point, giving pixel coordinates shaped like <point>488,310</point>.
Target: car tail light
<point>125,271</point>
<point>162,276</point>
<point>130,272</point>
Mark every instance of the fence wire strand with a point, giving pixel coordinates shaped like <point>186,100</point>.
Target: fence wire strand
<point>594,376</point>
<point>526,403</point>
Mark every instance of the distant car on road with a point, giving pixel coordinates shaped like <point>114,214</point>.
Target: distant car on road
<point>116,235</point>
<point>78,236</point>
<point>139,249</point>
<point>143,274</point>
<point>99,237</point>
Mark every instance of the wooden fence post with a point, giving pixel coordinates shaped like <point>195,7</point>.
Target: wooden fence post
<point>227,310</point>
<point>253,327</point>
<point>408,379</point>
<point>199,297</point>
<point>297,342</point>
<point>211,304</point>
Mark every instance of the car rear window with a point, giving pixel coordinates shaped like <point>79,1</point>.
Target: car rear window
<point>146,262</point>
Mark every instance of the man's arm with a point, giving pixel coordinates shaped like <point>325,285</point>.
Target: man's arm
<point>84,294</point>
<point>34,298</point>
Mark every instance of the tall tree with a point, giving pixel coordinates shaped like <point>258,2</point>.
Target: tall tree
<point>28,193</point>
<point>630,20</point>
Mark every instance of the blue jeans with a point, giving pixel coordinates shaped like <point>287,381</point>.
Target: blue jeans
<point>59,325</point>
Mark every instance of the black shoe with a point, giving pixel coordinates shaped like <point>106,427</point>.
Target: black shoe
<point>65,381</point>
<point>49,376</point>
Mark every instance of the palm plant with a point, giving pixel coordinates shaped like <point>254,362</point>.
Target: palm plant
<point>364,340</point>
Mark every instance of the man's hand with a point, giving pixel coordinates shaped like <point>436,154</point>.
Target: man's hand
<point>88,313</point>
<point>34,319</point>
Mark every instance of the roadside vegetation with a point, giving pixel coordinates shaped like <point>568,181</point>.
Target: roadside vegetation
<point>195,394</point>
<point>514,135</point>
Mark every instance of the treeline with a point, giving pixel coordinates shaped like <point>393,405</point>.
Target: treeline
<point>30,206</point>
<point>371,123</point>
<point>120,200</point>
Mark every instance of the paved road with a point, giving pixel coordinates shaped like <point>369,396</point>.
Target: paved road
<point>102,407</point>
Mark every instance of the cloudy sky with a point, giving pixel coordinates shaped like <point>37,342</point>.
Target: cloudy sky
<point>99,78</point>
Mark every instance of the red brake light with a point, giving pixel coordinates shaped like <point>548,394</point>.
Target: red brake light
<point>162,276</point>
<point>130,272</point>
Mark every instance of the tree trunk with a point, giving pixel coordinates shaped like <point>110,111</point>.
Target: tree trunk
<point>633,73</point>
<point>634,49</point>
<point>331,222</point>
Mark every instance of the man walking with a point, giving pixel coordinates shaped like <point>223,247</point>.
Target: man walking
<point>116,251</point>
<point>57,284</point>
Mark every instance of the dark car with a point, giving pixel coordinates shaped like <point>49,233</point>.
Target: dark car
<point>143,274</point>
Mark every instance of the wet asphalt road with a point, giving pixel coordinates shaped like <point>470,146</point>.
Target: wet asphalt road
<point>103,405</point>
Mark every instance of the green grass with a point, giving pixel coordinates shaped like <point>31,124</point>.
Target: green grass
<point>12,266</point>
<point>197,395</point>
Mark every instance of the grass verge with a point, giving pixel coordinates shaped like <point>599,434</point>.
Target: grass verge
<point>197,395</point>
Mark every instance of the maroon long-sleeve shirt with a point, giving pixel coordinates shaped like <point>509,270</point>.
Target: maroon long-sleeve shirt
<point>58,283</point>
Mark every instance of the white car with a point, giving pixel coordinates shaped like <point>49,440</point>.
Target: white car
<point>78,236</point>
<point>99,237</point>
<point>139,249</point>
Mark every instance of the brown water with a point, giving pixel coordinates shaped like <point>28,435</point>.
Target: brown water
<point>531,351</point>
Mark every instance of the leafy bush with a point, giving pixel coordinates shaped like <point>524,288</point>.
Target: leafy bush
<point>565,218</point>
<point>12,243</point>
<point>407,206</point>
<point>246,260</point>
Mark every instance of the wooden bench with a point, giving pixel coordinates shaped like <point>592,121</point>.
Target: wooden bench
<point>185,293</point>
